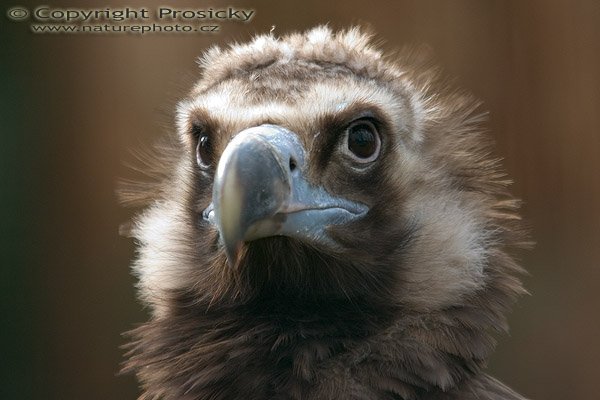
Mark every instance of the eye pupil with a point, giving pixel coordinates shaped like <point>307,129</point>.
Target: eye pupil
<point>204,152</point>
<point>363,141</point>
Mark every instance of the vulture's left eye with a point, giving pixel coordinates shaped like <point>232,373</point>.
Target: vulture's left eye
<point>362,141</point>
<point>204,152</point>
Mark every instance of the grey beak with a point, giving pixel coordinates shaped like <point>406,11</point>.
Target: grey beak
<point>260,191</point>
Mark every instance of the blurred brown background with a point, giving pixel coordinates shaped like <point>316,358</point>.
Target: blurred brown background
<point>72,107</point>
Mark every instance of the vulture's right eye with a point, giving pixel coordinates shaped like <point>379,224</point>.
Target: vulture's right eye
<point>204,152</point>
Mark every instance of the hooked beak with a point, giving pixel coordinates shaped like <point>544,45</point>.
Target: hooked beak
<point>260,191</point>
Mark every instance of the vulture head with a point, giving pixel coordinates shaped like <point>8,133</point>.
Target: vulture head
<point>326,223</point>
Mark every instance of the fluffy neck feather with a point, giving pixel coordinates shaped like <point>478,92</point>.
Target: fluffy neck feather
<point>275,348</point>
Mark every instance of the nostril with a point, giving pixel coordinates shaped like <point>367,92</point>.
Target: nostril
<point>293,164</point>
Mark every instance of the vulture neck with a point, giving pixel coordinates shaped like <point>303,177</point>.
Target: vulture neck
<point>264,348</point>
<point>275,342</point>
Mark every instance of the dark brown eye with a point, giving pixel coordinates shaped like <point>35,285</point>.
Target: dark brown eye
<point>362,141</point>
<point>204,152</point>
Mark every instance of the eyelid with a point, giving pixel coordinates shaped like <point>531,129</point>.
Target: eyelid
<point>197,130</point>
<point>369,116</point>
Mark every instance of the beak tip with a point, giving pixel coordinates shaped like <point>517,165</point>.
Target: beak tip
<point>232,252</point>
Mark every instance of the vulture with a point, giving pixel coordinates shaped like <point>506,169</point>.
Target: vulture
<point>325,222</point>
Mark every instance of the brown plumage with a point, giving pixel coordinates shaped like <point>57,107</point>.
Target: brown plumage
<point>397,289</point>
